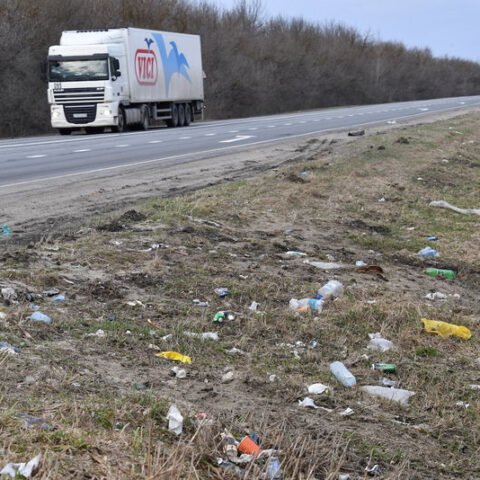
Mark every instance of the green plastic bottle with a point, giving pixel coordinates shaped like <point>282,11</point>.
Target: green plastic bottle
<point>438,272</point>
<point>385,367</point>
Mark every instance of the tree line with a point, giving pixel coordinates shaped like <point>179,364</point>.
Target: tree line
<point>253,65</point>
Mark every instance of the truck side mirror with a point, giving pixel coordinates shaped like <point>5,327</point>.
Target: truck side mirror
<point>116,67</point>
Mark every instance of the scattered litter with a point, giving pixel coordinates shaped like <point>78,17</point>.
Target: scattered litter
<point>360,263</point>
<point>375,470</point>
<point>461,404</point>
<point>175,356</point>
<point>317,388</point>
<point>228,377</point>
<point>445,329</point>
<point>5,347</point>
<point>342,374</point>
<point>99,333</point>
<point>199,303</point>
<point>294,253</point>
<point>394,394</point>
<point>254,306</point>
<point>357,133</point>
<point>326,265</point>
<point>175,420</point>
<point>58,298</point>
<point>428,252</point>
<point>332,289</point>
<point>274,470</point>
<point>385,367</point>
<point>313,344</point>
<point>223,315</point>
<point>40,317</point>
<point>377,342</point>
<point>167,337</point>
<point>442,273</point>
<point>6,230</point>
<point>305,305</point>
<point>141,386</point>
<point>464,211</point>
<point>307,402</point>
<point>272,378</point>
<point>382,200</point>
<point>347,412</point>
<point>235,351</point>
<point>52,292</point>
<point>179,373</point>
<point>135,303</point>
<point>3,316</point>
<point>9,295</point>
<point>344,476</point>
<point>222,292</point>
<point>203,336</point>
<point>474,387</point>
<point>386,382</point>
<point>31,422</point>
<point>432,238</point>
<point>26,470</point>
<point>436,296</point>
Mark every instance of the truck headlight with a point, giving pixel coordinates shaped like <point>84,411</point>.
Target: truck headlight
<point>105,111</point>
<point>56,114</point>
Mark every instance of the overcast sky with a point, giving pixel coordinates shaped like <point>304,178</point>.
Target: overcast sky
<point>447,27</point>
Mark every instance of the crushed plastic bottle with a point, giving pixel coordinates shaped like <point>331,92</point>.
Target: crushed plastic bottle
<point>343,375</point>
<point>274,471</point>
<point>306,304</point>
<point>438,272</point>
<point>40,317</point>
<point>428,252</point>
<point>445,329</point>
<point>332,289</point>
<point>394,394</point>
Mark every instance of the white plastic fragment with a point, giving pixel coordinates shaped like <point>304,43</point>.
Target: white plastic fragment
<point>436,296</point>
<point>228,377</point>
<point>175,420</point>
<point>464,211</point>
<point>377,342</point>
<point>317,388</point>
<point>203,336</point>
<point>235,351</point>
<point>326,265</point>
<point>394,394</point>
<point>254,306</point>
<point>461,404</point>
<point>347,412</point>
<point>26,470</point>
<point>99,333</point>
<point>307,402</point>
<point>180,373</point>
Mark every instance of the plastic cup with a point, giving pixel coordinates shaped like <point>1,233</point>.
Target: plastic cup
<point>248,446</point>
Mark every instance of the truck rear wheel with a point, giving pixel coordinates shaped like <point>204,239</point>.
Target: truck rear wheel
<point>181,115</point>
<point>145,119</point>
<point>188,114</point>
<point>64,131</point>
<point>173,122</point>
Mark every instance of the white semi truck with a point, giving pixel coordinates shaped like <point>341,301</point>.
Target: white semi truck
<point>124,78</point>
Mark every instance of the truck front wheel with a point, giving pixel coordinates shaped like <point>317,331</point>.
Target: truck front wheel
<point>121,121</point>
<point>64,131</point>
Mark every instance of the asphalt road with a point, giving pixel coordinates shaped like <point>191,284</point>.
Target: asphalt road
<point>39,159</point>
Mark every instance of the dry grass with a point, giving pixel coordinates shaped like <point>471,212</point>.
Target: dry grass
<point>326,205</point>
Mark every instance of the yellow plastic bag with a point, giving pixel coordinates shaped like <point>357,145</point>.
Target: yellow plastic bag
<point>445,329</point>
<point>174,356</point>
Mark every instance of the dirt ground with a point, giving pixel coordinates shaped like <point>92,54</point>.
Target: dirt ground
<point>133,271</point>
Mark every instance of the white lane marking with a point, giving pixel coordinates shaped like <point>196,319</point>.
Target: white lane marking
<point>185,138</point>
<point>351,115</point>
<point>287,124</point>
<point>238,138</point>
<point>210,134</point>
<point>36,156</point>
<point>155,141</point>
<point>81,150</point>
<point>423,109</point>
<point>253,128</point>
<point>233,131</point>
<point>203,152</point>
<point>303,121</point>
<point>271,126</point>
<point>123,145</point>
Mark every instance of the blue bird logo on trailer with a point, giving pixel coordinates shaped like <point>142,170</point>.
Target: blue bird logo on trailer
<point>173,62</point>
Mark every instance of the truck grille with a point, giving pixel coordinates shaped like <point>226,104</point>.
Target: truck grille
<point>80,114</point>
<point>79,95</point>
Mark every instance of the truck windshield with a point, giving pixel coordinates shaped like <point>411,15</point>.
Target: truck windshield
<point>77,70</point>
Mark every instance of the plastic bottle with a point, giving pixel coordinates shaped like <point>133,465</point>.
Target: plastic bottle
<point>428,252</point>
<point>438,272</point>
<point>274,471</point>
<point>385,367</point>
<point>343,375</point>
<point>306,304</point>
<point>332,289</point>
<point>394,394</point>
<point>40,317</point>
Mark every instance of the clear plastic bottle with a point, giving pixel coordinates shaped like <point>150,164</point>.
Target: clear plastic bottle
<point>332,289</point>
<point>306,304</point>
<point>343,375</point>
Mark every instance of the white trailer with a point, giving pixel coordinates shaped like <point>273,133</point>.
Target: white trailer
<point>126,77</point>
